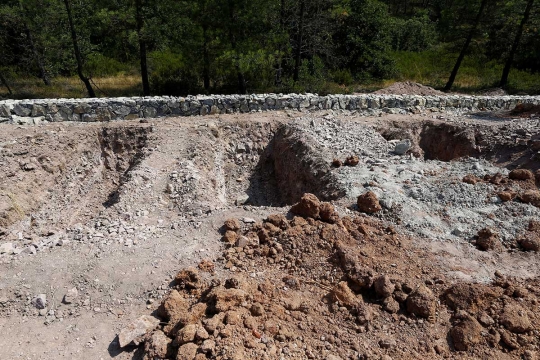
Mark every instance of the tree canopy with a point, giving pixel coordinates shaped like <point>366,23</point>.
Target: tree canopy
<point>238,46</point>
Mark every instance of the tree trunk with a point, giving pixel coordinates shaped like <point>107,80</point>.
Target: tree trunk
<point>279,65</point>
<point>297,61</point>
<point>515,44</point>
<point>37,57</point>
<point>465,46</point>
<point>242,89</point>
<point>4,82</point>
<point>206,59</point>
<point>142,48</point>
<point>78,57</point>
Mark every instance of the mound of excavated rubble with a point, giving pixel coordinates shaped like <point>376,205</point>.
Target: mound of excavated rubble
<point>312,284</point>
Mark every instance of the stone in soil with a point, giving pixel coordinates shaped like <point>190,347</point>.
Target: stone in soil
<point>136,329</point>
<point>71,296</point>
<point>402,147</point>
<point>40,301</point>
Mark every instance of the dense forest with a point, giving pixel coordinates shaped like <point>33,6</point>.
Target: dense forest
<point>173,47</point>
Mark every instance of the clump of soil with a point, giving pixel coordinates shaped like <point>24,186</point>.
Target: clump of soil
<point>408,88</point>
<point>526,110</point>
<point>321,286</point>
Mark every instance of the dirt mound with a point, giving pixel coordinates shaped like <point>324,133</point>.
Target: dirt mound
<point>408,88</point>
<point>301,287</point>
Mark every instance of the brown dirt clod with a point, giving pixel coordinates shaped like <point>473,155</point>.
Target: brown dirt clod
<point>470,179</point>
<point>521,174</point>
<point>422,303</point>
<point>369,203</point>
<point>307,207</point>
<point>337,163</point>
<point>488,239</point>
<point>466,334</point>
<point>531,197</point>
<point>352,160</point>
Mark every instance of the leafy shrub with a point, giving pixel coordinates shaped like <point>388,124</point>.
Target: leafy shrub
<point>99,65</point>
<point>170,75</point>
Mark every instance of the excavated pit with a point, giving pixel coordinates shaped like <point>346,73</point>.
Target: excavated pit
<point>89,166</point>
<point>122,149</point>
<point>295,162</point>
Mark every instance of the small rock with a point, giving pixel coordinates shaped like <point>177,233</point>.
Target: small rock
<point>7,248</point>
<point>257,309</point>
<point>208,346</point>
<point>402,147</point>
<point>470,179</point>
<point>515,319</point>
<point>186,334</point>
<point>71,295</point>
<point>391,305</point>
<point>488,239</point>
<point>242,200</point>
<point>485,319</point>
<point>337,163</point>
<point>247,220</point>
<point>40,301</point>
<point>242,242</point>
<point>230,237</point>
<point>531,197</point>
<point>201,333</point>
<point>387,343</point>
<point>328,213</point>
<point>159,346</point>
<point>506,196</point>
<point>139,327</point>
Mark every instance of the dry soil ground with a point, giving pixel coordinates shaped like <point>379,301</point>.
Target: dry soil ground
<point>116,210</point>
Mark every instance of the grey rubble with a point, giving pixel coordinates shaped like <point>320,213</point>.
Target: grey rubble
<point>107,109</point>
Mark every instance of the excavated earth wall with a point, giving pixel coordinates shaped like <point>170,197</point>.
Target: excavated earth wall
<point>106,109</point>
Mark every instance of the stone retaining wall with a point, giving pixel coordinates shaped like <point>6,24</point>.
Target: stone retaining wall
<point>107,109</point>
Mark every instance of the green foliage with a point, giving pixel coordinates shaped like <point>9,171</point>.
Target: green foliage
<point>256,42</point>
<point>418,33</point>
<point>342,76</point>
<point>431,68</point>
<point>99,65</point>
<point>365,40</point>
<point>170,75</point>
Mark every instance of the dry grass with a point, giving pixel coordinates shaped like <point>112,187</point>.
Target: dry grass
<point>72,87</point>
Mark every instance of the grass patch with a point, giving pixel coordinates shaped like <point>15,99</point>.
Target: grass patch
<point>430,68</point>
<point>72,87</point>
<point>433,68</point>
